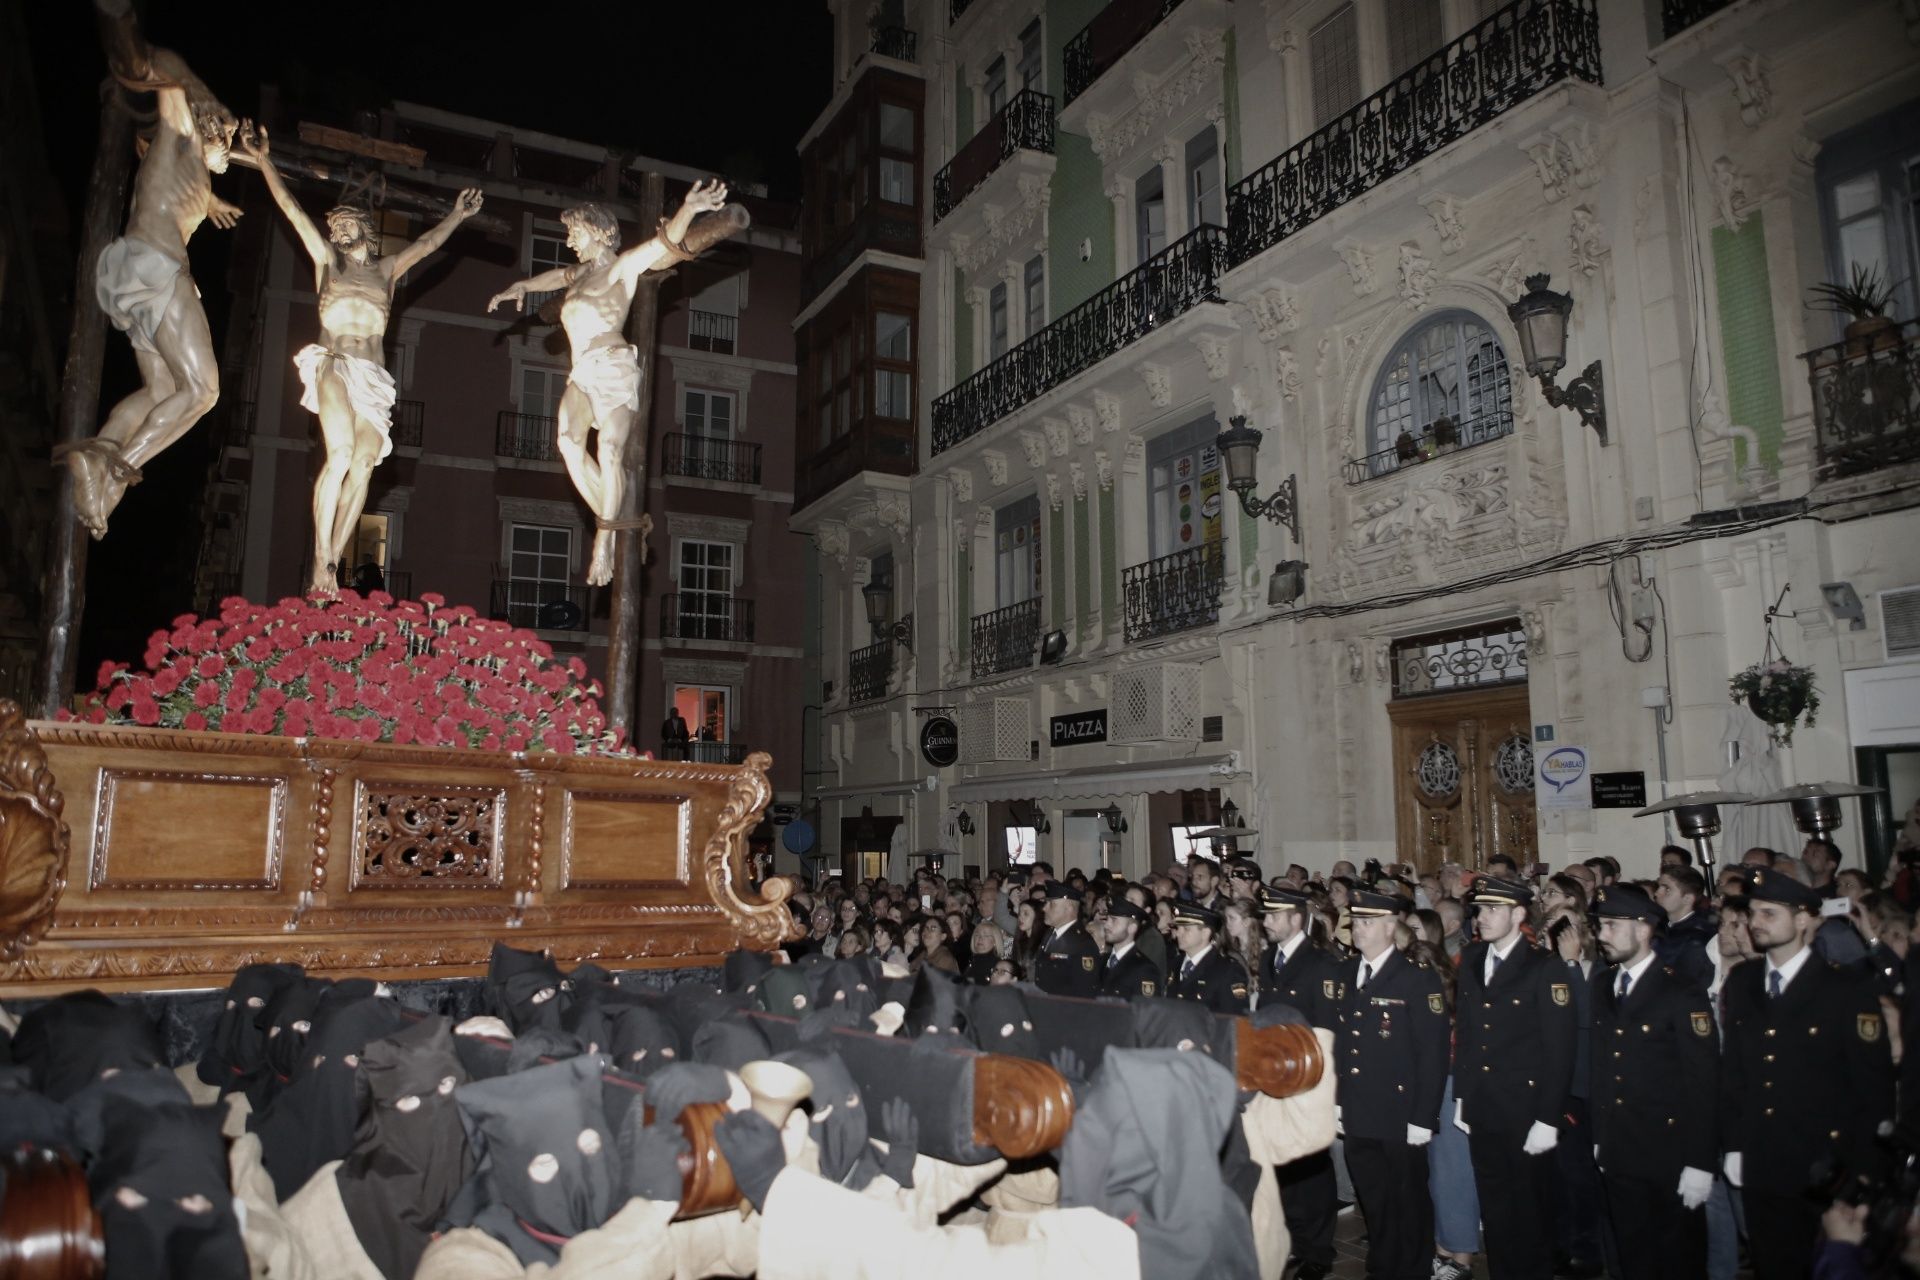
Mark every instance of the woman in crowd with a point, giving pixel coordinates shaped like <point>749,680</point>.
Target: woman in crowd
<point>1562,892</point>
<point>933,948</point>
<point>986,946</point>
<point>1241,940</point>
<point>1026,945</point>
<point>886,948</point>
<point>854,941</point>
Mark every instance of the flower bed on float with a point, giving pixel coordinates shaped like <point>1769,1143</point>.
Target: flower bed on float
<point>368,669</point>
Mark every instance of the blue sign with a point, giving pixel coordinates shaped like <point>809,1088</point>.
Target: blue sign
<point>798,836</point>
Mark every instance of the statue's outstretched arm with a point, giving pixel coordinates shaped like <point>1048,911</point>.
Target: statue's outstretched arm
<point>516,293</point>
<point>702,197</point>
<point>253,145</point>
<point>464,207</point>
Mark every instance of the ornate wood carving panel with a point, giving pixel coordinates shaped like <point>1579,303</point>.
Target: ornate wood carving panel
<point>407,836</point>
<point>626,840</point>
<point>160,830</point>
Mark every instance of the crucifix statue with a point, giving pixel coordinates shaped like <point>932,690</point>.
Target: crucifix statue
<point>603,387</point>
<point>142,283</point>
<point>344,373</point>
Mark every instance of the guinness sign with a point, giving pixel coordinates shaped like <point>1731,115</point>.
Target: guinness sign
<point>940,741</point>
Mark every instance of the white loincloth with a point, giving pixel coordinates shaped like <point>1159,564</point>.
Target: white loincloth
<point>611,378</point>
<point>370,389</point>
<point>134,283</point>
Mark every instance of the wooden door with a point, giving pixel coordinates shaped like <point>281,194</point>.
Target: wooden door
<point>1463,778</point>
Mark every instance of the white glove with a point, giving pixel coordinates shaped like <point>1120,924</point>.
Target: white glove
<point>1418,1137</point>
<point>1459,1111</point>
<point>1733,1169</point>
<point>1541,1138</point>
<point>1695,1186</point>
<point>1339,1123</point>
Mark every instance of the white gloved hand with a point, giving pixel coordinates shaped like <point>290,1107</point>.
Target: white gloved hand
<point>1541,1138</point>
<point>1733,1169</point>
<point>1695,1186</point>
<point>1459,1116</point>
<point>1596,1157</point>
<point>1339,1122</point>
<point>1418,1137</point>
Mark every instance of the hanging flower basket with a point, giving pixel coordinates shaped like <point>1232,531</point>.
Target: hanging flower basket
<point>1780,694</point>
<point>368,668</point>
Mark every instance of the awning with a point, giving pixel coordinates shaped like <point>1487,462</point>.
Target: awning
<point>871,789</point>
<point>1196,773</point>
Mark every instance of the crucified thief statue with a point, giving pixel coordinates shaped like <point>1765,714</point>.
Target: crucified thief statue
<point>345,374</point>
<point>603,388</point>
<point>142,283</point>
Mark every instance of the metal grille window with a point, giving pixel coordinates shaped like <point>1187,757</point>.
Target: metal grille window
<point>1451,367</point>
<point>1470,658</point>
<point>893,365</point>
<point>706,589</point>
<point>1414,30</point>
<point>1333,53</point>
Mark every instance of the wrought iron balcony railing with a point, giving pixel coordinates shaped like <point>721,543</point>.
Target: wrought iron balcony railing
<point>1677,15</point>
<point>697,615</point>
<point>1866,401</point>
<point>708,458</point>
<point>1435,442</point>
<point>409,422</point>
<point>896,42</point>
<point>1107,39</point>
<point>712,331</point>
<point>869,671</point>
<point>526,435</point>
<point>1006,639</point>
<point>1171,283</point>
<point>1498,64</point>
<point>541,604</point>
<point>1177,592</point>
<point>1025,123</point>
<point>699,752</point>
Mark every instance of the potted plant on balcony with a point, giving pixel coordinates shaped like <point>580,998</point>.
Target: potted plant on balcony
<point>1864,298</point>
<point>1446,433</point>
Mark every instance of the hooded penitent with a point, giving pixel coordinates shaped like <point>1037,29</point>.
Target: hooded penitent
<point>160,1185</point>
<point>853,985</point>
<point>1001,1022</point>
<point>934,1006</point>
<point>731,1042</point>
<point>839,1120</point>
<point>1145,1148</point>
<point>287,1019</point>
<point>236,1052</point>
<point>69,1042</point>
<point>526,988</point>
<point>409,1152</point>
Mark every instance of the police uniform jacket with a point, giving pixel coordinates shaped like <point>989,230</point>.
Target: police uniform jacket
<point>1132,975</point>
<point>1656,1056</point>
<point>1513,1050</point>
<point>1804,1076</point>
<point>1390,1049</point>
<point>1217,981</point>
<point>1069,964</point>
<point>1310,982</point>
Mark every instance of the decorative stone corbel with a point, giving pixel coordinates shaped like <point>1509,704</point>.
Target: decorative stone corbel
<point>1449,219</point>
<point>1034,445</point>
<point>961,478</point>
<point>1080,418</point>
<point>996,466</point>
<point>1107,407</point>
<point>1359,263</point>
<point>1055,430</point>
<point>1159,382</point>
<point>1213,353</point>
<point>1752,87</point>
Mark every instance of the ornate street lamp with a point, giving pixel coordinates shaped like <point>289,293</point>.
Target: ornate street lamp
<point>1287,584</point>
<point>879,599</point>
<point>1239,445</point>
<point>1541,317</point>
<point>1116,821</point>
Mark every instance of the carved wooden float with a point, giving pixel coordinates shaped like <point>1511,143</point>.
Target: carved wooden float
<point>138,859</point>
<point>48,1228</point>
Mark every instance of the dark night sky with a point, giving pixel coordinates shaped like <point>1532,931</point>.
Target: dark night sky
<point>711,84</point>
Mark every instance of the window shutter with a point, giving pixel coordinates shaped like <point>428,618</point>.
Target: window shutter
<point>1414,32</point>
<point>1334,54</point>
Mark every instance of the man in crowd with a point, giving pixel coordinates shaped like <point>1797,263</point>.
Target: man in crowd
<point>1453,917</point>
<point>1390,1060</point>
<point>1822,860</point>
<point>1655,1057</point>
<point>1069,960</point>
<point>1807,1075</point>
<point>1128,971</point>
<point>1203,883</point>
<point>1206,974</point>
<point>1150,939</point>
<point>1514,1049</point>
<point>1296,972</point>
<point>1243,879</point>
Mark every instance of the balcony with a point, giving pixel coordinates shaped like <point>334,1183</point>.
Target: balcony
<point>1006,639</point>
<point>700,616</point>
<point>1520,51</point>
<point>409,423</point>
<point>1172,282</point>
<point>1411,450</point>
<point>866,448</point>
<point>711,331</point>
<point>1175,593</point>
<point>870,228</point>
<point>1866,401</point>
<point>897,43</point>
<point>956,9</point>
<point>540,604</point>
<point>1103,42</point>
<point>1024,124</point>
<point>869,672</point>
<point>709,458</point>
<point>1677,15</point>
<point>526,436</point>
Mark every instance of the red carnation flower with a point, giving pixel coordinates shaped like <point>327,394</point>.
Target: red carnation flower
<point>193,720</point>
<point>210,666</point>
<point>145,710</point>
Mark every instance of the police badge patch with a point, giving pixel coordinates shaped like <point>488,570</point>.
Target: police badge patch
<point>1560,993</point>
<point>1436,1003</point>
<point>1702,1025</point>
<point>1326,989</point>
<point>1868,1025</point>
<point>1086,962</point>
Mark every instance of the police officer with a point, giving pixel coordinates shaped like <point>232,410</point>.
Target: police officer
<point>1295,971</point>
<point>1806,1075</point>
<point>1205,973</point>
<point>1655,1058</point>
<point>1069,963</point>
<point>1127,971</point>
<point>1513,1069</point>
<point>1391,1059</point>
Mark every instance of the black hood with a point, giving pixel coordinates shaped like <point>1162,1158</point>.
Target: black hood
<point>236,1052</point>
<point>526,989</point>
<point>1001,1022</point>
<point>160,1184</point>
<point>68,1042</point>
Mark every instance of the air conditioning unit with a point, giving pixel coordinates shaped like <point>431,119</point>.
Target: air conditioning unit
<point>1158,703</point>
<point>1900,623</point>
<point>996,729</point>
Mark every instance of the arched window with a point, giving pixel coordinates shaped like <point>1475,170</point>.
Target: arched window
<point>1449,366</point>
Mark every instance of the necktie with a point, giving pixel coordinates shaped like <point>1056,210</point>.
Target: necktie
<point>1773,984</point>
<point>1366,974</point>
<point>1626,981</point>
<point>1186,968</point>
<point>1113,959</point>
